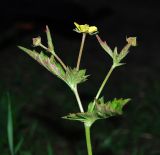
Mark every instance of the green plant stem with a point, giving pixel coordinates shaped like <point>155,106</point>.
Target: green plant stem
<point>102,86</point>
<point>78,99</point>
<point>81,50</point>
<point>105,81</point>
<point>88,139</point>
<point>56,56</point>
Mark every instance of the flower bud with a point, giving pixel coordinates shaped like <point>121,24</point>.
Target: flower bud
<point>36,41</point>
<point>132,41</point>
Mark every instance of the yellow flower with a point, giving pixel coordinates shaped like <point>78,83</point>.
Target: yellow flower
<point>85,29</point>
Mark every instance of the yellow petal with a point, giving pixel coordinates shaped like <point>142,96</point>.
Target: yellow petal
<point>77,25</point>
<point>84,28</point>
<point>92,29</point>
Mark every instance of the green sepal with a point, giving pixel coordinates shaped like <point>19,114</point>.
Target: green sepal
<point>74,77</point>
<point>49,40</point>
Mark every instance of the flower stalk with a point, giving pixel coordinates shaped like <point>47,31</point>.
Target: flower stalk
<point>102,86</point>
<point>81,50</point>
<point>104,82</point>
<point>78,100</point>
<point>88,139</point>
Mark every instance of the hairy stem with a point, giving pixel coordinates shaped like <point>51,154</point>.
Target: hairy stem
<point>78,100</point>
<point>88,139</point>
<point>81,50</point>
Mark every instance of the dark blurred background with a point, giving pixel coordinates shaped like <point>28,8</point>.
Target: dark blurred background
<point>39,99</point>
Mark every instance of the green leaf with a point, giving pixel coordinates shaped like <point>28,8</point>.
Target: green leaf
<point>102,110</point>
<point>115,55</point>
<point>74,77</point>
<point>48,62</point>
<point>49,39</point>
<point>90,107</point>
<point>49,149</point>
<point>31,53</point>
<point>51,65</point>
<point>10,127</point>
<point>131,41</point>
<point>124,52</point>
<point>111,108</point>
<point>105,46</point>
<point>59,67</point>
<point>118,57</point>
<point>86,117</point>
<point>19,144</point>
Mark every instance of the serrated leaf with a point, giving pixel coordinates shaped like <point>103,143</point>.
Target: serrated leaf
<point>31,53</point>
<point>118,57</point>
<point>102,110</point>
<point>55,68</point>
<point>74,77</point>
<point>105,46</point>
<point>60,69</point>
<point>86,117</point>
<point>111,108</point>
<point>91,105</point>
<point>124,52</point>
<point>48,62</point>
<point>49,39</point>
